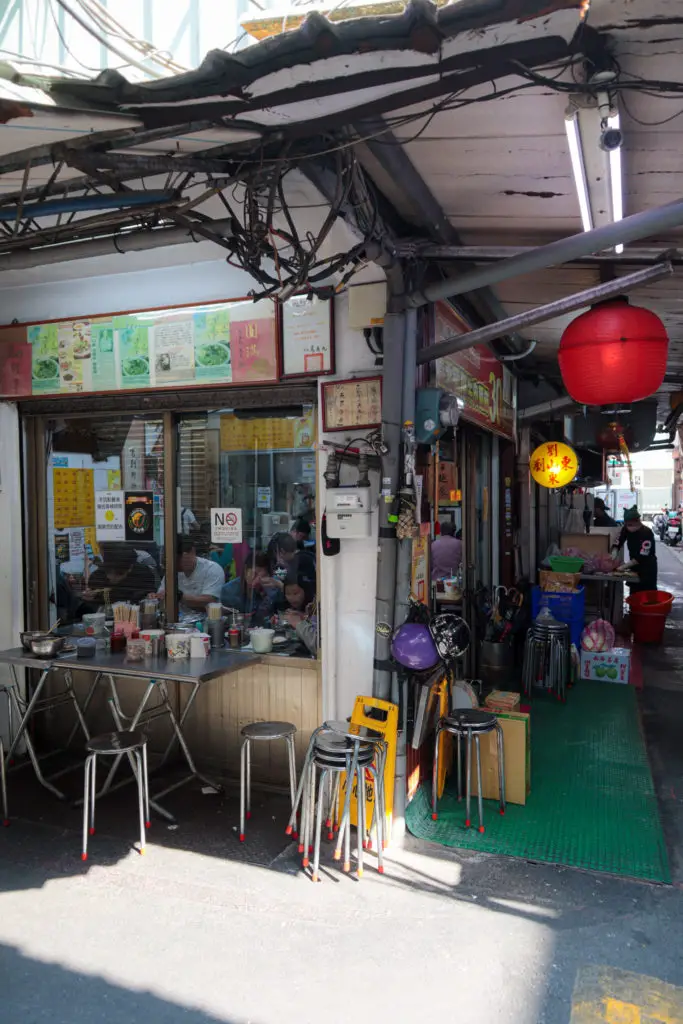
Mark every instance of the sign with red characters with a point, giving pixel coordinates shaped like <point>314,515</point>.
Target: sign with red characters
<point>484,385</point>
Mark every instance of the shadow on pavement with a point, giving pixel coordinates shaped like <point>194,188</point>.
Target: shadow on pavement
<point>34,991</point>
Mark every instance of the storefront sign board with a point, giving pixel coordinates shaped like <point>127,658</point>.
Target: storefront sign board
<point>474,375</point>
<point>226,525</point>
<point>110,518</point>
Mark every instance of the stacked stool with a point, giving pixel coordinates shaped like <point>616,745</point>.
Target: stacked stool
<point>257,732</point>
<point>470,725</point>
<point>334,752</point>
<point>114,744</point>
<point>547,662</point>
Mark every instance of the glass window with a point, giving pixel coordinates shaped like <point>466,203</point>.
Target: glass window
<point>105,480</point>
<point>261,468</point>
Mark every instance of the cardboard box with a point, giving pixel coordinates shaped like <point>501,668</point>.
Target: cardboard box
<point>609,667</point>
<point>597,542</point>
<point>516,728</point>
<point>559,582</point>
<point>502,700</point>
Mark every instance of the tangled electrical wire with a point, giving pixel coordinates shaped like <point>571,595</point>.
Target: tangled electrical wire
<point>268,243</point>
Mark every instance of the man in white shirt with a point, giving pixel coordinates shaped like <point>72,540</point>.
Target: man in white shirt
<point>188,521</point>
<point>199,580</point>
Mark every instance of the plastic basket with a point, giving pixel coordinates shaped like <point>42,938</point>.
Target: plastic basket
<point>566,563</point>
<point>565,607</point>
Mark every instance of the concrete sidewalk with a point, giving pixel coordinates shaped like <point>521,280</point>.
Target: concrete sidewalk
<point>206,929</point>
<point>182,936</point>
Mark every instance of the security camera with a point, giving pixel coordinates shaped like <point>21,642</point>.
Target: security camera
<point>611,139</point>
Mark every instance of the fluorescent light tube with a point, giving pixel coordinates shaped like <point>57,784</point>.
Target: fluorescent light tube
<point>616,188</point>
<point>571,126</point>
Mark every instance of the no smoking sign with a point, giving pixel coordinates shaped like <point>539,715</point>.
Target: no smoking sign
<point>226,525</point>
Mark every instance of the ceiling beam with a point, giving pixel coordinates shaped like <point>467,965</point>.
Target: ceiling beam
<point>539,314</point>
<point>387,162</point>
<point>647,224</point>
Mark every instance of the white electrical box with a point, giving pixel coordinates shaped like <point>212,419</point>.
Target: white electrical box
<point>349,512</point>
<point>367,305</point>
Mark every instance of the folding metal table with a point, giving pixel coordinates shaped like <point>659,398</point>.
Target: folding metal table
<point>156,673</point>
<point>24,708</point>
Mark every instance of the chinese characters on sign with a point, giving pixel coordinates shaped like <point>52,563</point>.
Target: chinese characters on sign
<point>110,520</point>
<point>74,498</point>
<point>231,342</point>
<point>352,404</point>
<point>475,376</point>
<point>554,464</point>
<point>306,336</point>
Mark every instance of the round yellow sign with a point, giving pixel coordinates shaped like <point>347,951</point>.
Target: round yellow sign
<point>554,464</point>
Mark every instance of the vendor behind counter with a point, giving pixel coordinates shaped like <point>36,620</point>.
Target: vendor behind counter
<point>640,543</point>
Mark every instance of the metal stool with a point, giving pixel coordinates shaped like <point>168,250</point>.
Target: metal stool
<point>113,744</point>
<point>547,662</point>
<point>471,725</point>
<point>3,786</point>
<point>253,733</point>
<point>334,751</point>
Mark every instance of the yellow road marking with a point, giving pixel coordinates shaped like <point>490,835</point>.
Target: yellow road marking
<point>606,995</point>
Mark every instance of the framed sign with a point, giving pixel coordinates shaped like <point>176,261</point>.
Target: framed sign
<point>354,404</point>
<point>307,336</point>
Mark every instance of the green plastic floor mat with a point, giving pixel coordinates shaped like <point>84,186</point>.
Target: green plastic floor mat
<point>592,803</point>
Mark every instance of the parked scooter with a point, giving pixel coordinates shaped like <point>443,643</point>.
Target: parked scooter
<point>673,533</point>
<point>659,523</point>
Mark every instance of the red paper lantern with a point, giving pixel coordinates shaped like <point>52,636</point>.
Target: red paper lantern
<point>613,353</point>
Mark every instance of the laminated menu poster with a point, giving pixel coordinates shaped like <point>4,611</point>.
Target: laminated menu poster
<point>132,342</point>
<point>103,355</point>
<point>73,344</point>
<point>172,347</point>
<point>44,359</point>
<point>218,343</point>
<point>254,356</point>
<point>212,355</point>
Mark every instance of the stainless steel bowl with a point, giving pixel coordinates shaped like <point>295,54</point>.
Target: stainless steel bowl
<point>34,634</point>
<point>47,647</point>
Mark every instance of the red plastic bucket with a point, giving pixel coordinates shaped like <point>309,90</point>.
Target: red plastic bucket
<point>649,612</point>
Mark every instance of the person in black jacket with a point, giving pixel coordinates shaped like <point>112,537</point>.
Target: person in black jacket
<point>640,542</point>
<point>601,516</point>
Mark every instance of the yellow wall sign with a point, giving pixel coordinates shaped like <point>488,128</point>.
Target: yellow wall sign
<point>554,464</point>
<point>74,498</point>
<point>269,434</point>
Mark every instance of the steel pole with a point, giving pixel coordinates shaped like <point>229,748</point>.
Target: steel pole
<point>403,584</point>
<point>553,406</point>
<point>540,313</point>
<point>134,241</point>
<point>630,229</point>
<point>392,391</point>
